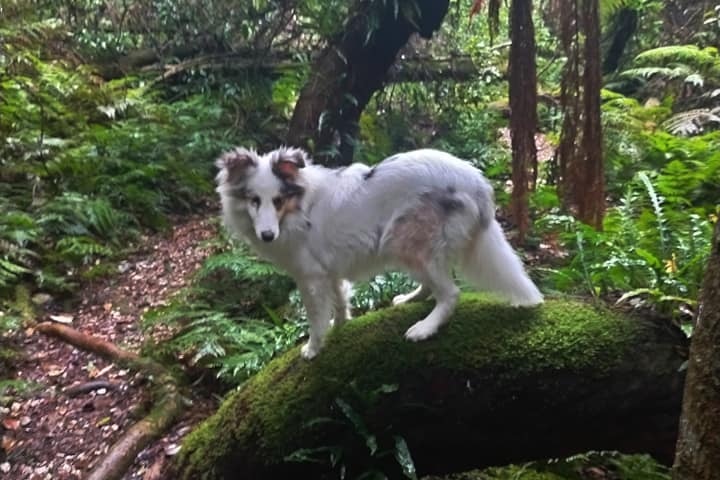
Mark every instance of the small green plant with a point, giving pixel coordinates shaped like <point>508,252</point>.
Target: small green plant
<point>363,452</point>
<point>379,291</point>
<point>235,318</point>
<point>649,249</point>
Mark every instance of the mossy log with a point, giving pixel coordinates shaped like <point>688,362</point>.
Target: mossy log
<point>497,385</point>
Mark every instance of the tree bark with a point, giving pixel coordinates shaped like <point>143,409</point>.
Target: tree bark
<point>523,112</point>
<point>351,69</point>
<point>591,203</point>
<point>497,385</point>
<point>580,159</point>
<point>623,28</point>
<point>698,448</point>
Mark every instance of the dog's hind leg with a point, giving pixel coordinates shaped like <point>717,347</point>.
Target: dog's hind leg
<point>417,295</point>
<point>438,281</point>
<point>341,301</point>
<point>316,297</point>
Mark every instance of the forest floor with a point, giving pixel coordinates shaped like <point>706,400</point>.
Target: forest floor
<point>50,434</point>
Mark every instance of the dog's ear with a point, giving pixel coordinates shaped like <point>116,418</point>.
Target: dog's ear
<point>235,165</point>
<point>288,161</point>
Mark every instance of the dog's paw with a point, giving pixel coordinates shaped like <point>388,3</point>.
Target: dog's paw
<point>422,330</point>
<point>308,351</point>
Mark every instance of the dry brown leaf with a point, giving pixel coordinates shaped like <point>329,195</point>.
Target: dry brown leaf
<point>7,443</point>
<point>53,370</point>
<point>11,423</point>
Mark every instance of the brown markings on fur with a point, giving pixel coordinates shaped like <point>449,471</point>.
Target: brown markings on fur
<point>237,162</point>
<point>290,205</point>
<point>286,163</point>
<point>413,235</point>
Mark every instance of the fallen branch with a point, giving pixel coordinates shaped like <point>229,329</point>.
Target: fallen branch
<point>167,408</point>
<point>86,342</point>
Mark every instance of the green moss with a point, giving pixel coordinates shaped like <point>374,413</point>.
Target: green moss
<point>484,336</point>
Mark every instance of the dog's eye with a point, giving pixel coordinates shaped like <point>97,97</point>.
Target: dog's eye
<point>255,201</point>
<point>278,202</point>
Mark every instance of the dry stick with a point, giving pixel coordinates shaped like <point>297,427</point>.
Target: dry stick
<point>161,417</point>
<point>75,390</point>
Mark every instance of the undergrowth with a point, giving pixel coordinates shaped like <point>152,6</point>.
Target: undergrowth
<point>232,320</point>
<point>652,250</point>
<point>86,165</point>
<point>240,312</point>
<point>611,465</point>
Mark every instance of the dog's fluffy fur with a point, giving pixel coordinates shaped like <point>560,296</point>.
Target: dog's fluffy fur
<point>421,212</point>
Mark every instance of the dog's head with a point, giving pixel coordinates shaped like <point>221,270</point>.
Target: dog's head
<point>268,187</point>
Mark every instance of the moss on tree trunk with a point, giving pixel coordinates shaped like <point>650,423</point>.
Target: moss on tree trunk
<point>497,385</point>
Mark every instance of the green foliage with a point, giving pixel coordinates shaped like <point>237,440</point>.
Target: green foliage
<point>654,246</point>
<point>686,73</point>
<point>361,451</point>
<point>232,320</point>
<point>617,465</point>
<point>379,291</point>
<point>685,55</point>
<point>86,164</point>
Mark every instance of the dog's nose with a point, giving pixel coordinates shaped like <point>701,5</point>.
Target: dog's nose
<point>267,235</point>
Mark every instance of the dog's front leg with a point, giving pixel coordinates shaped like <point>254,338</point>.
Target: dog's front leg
<point>316,296</point>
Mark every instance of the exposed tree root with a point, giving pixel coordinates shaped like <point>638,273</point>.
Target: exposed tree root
<point>168,406</point>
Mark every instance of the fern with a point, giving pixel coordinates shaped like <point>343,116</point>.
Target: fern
<point>692,122</point>
<point>658,211</point>
<point>235,317</point>
<point>652,248</point>
<point>689,55</point>
<point>670,73</point>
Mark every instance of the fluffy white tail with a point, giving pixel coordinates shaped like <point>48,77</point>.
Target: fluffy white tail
<point>492,265</point>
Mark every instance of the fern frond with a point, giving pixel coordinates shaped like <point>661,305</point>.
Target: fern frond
<point>669,73</point>
<point>656,202</point>
<point>689,55</point>
<point>691,122</point>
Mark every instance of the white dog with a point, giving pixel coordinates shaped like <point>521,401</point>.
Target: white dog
<point>420,212</point>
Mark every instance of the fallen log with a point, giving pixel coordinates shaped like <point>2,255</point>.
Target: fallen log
<point>166,409</point>
<point>498,385</point>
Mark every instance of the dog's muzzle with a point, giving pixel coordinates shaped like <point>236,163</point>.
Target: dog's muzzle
<point>267,235</point>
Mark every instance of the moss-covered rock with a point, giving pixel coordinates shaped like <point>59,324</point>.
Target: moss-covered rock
<point>496,385</point>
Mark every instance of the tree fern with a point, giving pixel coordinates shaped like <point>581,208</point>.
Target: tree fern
<point>689,55</point>
<point>692,122</point>
<point>667,72</point>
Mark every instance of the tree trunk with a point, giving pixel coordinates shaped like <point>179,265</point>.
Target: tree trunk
<point>591,203</point>
<point>624,26</point>
<point>351,69</point>
<point>523,112</point>
<point>580,159</point>
<point>698,448</point>
<point>497,385</point>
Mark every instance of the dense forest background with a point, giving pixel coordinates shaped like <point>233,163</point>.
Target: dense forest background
<point>112,112</point>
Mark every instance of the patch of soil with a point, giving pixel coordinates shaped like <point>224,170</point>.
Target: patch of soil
<point>52,435</point>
